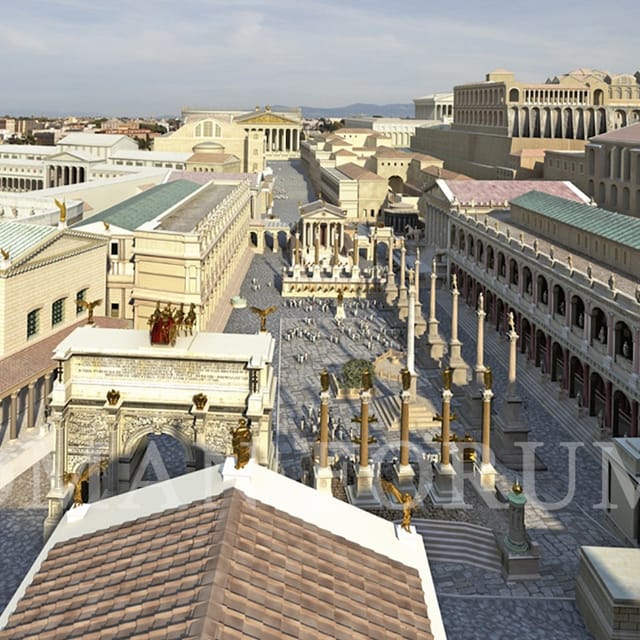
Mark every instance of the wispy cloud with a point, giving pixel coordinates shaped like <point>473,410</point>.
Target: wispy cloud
<point>129,57</point>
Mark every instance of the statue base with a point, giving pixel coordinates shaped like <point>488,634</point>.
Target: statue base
<point>322,479</point>
<point>363,494</point>
<point>516,564</point>
<point>444,491</point>
<point>405,477</point>
<point>471,408</point>
<point>510,438</point>
<point>485,474</point>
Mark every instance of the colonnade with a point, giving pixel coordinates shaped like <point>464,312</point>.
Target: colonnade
<point>20,184</point>
<point>58,175</point>
<point>24,405</point>
<point>280,139</point>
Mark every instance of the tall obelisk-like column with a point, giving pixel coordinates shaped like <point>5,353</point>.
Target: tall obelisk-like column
<point>403,302</point>
<point>456,363</point>
<point>444,490</point>
<point>404,471</point>
<point>434,339</point>
<point>323,473</point>
<point>391,290</point>
<point>485,470</point>
<point>471,409</point>
<point>355,269</point>
<point>478,370</point>
<point>316,254</point>
<point>411,334</point>
<point>420,324</point>
<point>363,493</point>
<point>510,429</point>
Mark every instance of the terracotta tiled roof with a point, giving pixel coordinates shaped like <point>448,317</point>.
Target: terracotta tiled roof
<point>483,192</point>
<point>356,172</point>
<point>630,134</point>
<point>224,567</point>
<point>35,360</point>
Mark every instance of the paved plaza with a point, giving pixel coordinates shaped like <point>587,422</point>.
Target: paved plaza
<point>476,603</point>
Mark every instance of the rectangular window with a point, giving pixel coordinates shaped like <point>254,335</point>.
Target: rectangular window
<point>115,310</point>
<point>33,322</point>
<point>57,312</point>
<point>81,295</point>
<point>114,249</point>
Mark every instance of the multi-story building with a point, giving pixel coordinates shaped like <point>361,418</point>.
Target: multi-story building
<point>496,119</point>
<point>44,274</point>
<point>566,269</point>
<point>438,107</point>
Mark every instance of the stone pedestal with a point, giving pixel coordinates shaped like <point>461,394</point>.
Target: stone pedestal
<point>363,494</point>
<point>322,477</point>
<point>509,430</point>
<point>457,364</point>
<point>435,341</point>
<point>445,491</point>
<point>403,303</point>
<point>405,476</point>
<point>485,474</point>
<point>520,557</point>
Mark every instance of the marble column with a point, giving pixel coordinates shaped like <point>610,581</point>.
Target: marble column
<point>31,406</point>
<point>404,471</point>
<point>471,409</point>
<point>323,473</point>
<point>511,433</point>
<point>485,471</point>
<point>363,492</point>
<point>435,341</point>
<point>456,363</point>
<point>420,324</point>
<point>444,489</point>
<point>411,340</point>
<point>391,290</point>
<point>403,303</point>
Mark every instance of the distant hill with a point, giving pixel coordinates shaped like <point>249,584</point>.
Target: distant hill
<point>357,109</point>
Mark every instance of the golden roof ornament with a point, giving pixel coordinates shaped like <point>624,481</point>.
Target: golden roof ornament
<point>324,380</point>
<point>241,443</point>
<point>517,487</point>
<point>62,207</point>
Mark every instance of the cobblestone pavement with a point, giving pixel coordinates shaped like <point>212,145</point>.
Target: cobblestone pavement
<point>475,603</point>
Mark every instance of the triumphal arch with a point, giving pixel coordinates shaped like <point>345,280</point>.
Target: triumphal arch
<point>114,387</point>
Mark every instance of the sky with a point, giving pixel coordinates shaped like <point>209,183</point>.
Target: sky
<point>154,57</point>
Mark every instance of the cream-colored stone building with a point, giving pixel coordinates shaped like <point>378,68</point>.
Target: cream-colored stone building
<point>497,119</point>
<point>44,272</point>
<point>398,131</point>
<point>177,243</point>
<point>568,272</point>
<point>438,107</point>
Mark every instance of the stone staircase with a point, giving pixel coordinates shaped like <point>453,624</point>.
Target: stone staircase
<point>387,410</point>
<point>460,542</point>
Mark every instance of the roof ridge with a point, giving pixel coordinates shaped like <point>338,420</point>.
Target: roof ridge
<point>217,567</point>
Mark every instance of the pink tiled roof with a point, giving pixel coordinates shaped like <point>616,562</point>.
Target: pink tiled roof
<point>630,134</point>
<point>498,191</point>
<point>225,567</point>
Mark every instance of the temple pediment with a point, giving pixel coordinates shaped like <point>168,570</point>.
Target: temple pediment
<point>57,247</point>
<point>265,117</point>
<point>67,157</point>
<point>322,211</point>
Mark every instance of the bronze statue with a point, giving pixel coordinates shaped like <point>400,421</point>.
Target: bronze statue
<point>241,443</point>
<point>366,379</point>
<point>89,306</point>
<point>190,320</point>
<point>488,377</point>
<point>62,206</point>
<point>178,318</point>
<point>113,397</point>
<point>405,499</point>
<point>5,254</point>
<point>406,379</point>
<point>263,313</point>
<point>78,478</point>
<point>155,315</point>
<point>324,380</point>
<point>447,377</point>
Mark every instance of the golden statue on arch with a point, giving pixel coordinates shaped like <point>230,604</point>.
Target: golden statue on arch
<point>76,479</point>
<point>404,498</point>
<point>241,438</point>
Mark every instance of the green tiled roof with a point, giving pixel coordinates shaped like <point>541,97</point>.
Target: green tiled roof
<point>17,238</point>
<point>146,206</point>
<point>608,224</point>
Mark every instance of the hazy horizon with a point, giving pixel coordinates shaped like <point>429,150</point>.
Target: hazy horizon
<point>154,58</point>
